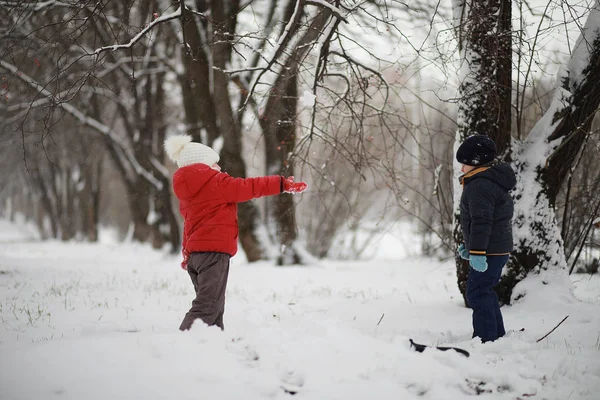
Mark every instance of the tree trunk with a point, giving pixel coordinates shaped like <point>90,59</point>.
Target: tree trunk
<point>213,106</point>
<point>47,199</point>
<point>193,125</point>
<point>280,129</point>
<point>198,67</point>
<point>93,205</point>
<point>166,229</point>
<point>484,32</point>
<point>67,194</point>
<point>547,156</point>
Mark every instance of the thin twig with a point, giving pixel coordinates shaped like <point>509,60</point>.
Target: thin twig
<point>136,38</point>
<point>548,334</point>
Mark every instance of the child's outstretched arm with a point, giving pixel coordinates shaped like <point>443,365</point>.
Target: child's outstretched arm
<point>238,190</point>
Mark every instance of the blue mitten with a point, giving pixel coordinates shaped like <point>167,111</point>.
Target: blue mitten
<point>462,252</point>
<point>479,263</point>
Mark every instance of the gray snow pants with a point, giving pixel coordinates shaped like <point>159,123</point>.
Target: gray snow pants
<point>209,272</point>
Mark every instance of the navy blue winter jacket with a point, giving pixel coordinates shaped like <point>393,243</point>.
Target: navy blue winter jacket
<point>486,209</point>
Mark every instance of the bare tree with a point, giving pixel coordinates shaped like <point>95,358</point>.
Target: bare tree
<point>120,99</point>
<point>295,43</point>
<point>107,65</point>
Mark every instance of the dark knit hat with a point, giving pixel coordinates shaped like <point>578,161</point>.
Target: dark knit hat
<point>476,150</point>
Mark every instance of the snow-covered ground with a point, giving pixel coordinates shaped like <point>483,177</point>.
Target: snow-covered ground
<point>83,321</point>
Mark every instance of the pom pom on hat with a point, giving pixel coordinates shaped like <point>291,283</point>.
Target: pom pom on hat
<point>174,145</point>
<point>183,151</point>
<point>476,150</point>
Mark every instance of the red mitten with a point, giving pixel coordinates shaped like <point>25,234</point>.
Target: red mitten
<point>186,257</point>
<point>289,186</point>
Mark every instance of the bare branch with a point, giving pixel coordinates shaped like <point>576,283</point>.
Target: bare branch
<point>336,11</point>
<point>553,329</point>
<point>136,38</point>
<point>280,47</point>
<point>86,120</point>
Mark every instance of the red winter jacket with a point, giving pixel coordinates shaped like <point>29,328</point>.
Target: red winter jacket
<point>207,202</point>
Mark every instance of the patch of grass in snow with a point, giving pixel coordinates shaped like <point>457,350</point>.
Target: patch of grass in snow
<point>63,289</point>
<point>349,294</point>
<point>321,292</point>
<point>43,339</point>
<point>157,285</point>
<point>100,304</point>
<point>165,285</point>
<point>33,314</point>
<point>572,351</point>
<point>18,285</point>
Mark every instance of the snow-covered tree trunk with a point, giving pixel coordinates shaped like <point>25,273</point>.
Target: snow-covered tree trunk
<point>484,35</point>
<point>543,160</point>
<point>542,163</point>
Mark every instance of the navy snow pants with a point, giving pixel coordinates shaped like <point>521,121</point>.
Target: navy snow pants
<point>481,297</point>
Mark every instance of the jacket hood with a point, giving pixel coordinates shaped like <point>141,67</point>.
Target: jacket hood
<point>500,173</point>
<point>187,181</point>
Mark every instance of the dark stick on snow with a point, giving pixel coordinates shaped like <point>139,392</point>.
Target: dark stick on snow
<point>421,348</point>
<point>548,334</point>
<point>380,319</point>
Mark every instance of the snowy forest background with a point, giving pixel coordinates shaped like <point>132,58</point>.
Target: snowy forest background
<point>364,100</point>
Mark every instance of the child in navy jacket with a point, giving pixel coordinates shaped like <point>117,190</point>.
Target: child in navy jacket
<point>486,211</point>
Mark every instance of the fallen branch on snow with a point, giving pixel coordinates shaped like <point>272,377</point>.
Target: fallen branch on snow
<point>553,329</point>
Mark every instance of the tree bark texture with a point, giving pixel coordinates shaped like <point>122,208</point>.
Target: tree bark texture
<point>212,106</point>
<point>278,123</point>
<point>484,32</point>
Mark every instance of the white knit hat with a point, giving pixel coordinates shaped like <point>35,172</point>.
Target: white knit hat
<point>183,151</point>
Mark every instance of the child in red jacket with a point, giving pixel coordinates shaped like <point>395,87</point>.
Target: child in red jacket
<point>208,203</point>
